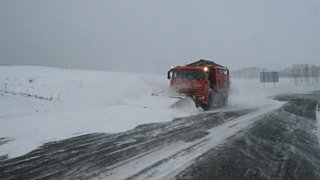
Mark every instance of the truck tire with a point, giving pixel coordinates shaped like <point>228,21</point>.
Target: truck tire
<point>208,106</point>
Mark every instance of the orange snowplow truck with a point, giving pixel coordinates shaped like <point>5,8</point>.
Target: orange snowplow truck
<point>206,82</point>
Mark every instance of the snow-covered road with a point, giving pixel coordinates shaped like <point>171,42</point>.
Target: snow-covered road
<point>281,138</point>
<point>168,161</point>
<point>282,145</point>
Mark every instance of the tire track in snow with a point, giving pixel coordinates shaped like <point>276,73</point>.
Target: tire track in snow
<point>86,156</point>
<point>169,161</point>
<point>282,145</point>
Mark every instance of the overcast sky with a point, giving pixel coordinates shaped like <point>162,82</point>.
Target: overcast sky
<point>152,35</point>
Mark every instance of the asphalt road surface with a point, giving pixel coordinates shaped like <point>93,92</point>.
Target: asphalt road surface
<point>264,143</point>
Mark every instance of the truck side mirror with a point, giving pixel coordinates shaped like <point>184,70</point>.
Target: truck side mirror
<point>168,76</point>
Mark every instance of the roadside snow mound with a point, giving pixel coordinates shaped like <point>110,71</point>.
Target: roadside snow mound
<point>78,86</point>
<point>41,104</point>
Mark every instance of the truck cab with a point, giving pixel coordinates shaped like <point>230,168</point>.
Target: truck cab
<point>206,82</point>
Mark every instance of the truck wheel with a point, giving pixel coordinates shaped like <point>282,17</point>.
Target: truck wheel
<point>208,106</point>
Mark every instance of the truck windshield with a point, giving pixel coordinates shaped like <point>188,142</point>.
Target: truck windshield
<point>191,74</point>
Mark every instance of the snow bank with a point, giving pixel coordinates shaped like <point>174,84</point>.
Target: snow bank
<point>77,86</point>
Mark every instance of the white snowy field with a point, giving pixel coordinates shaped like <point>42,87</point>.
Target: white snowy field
<point>41,104</point>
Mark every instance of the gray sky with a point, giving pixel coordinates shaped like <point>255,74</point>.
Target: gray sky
<point>152,35</point>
